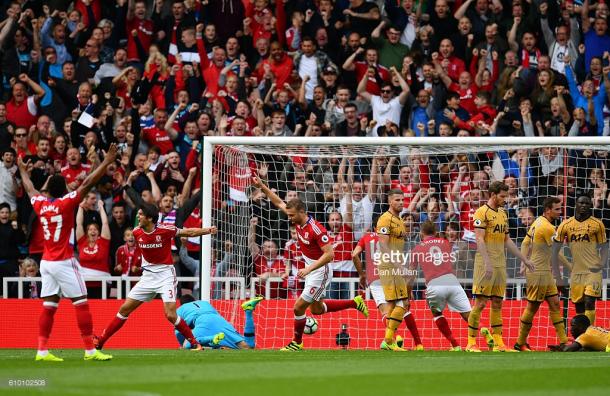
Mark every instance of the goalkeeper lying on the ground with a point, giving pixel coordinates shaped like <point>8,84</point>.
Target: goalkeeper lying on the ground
<point>586,337</point>
<point>211,329</point>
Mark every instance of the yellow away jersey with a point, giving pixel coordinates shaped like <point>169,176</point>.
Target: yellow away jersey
<point>582,237</point>
<point>595,339</point>
<point>495,224</point>
<point>394,227</point>
<point>539,239</point>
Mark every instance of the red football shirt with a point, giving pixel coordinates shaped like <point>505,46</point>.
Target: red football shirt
<point>434,256</point>
<point>369,243</point>
<point>312,237</point>
<point>158,137</point>
<point>72,173</point>
<point>57,218</point>
<point>156,246</point>
<point>263,264</point>
<point>96,256</point>
<point>128,259</point>
<point>408,191</point>
<point>343,243</point>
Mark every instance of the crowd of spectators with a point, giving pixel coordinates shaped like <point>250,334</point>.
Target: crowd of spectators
<point>155,77</point>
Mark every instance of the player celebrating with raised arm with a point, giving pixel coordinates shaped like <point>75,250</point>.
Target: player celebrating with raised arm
<point>317,251</point>
<point>540,282</point>
<point>392,275</point>
<point>434,256</point>
<point>59,269</point>
<point>158,273</point>
<point>585,235</point>
<point>491,230</point>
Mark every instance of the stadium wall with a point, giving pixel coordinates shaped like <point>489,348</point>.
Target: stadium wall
<point>147,328</point>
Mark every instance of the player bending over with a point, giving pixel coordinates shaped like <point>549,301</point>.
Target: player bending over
<point>585,235</point>
<point>540,282</point>
<point>369,243</point>
<point>317,251</point>
<point>211,329</point>
<point>60,271</point>
<point>434,256</point>
<point>489,283</point>
<point>586,337</point>
<point>392,271</point>
<point>158,273</point>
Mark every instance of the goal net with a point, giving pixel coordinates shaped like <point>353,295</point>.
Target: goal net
<point>443,180</point>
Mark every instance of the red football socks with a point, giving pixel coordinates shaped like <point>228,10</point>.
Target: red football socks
<point>443,326</point>
<point>85,323</point>
<point>115,325</point>
<point>299,327</point>
<point>185,330</point>
<point>338,305</point>
<point>45,323</point>
<point>410,322</point>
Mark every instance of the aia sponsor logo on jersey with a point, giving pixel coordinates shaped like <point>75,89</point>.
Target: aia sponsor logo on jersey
<point>500,228</point>
<point>580,238</point>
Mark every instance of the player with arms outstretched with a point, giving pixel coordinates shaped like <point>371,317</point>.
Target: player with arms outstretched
<point>490,222</point>
<point>392,272</point>
<point>158,273</point>
<point>317,250</point>
<point>60,271</point>
<point>434,256</point>
<point>540,282</point>
<point>586,238</point>
<point>586,337</point>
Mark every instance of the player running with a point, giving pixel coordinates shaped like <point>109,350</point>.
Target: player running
<point>540,282</point>
<point>60,271</point>
<point>491,230</point>
<point>586,337</point>
<point>434,256</point>
<point>317,249</point>
<point>158,273</point>
<point>369,244</point>
<point>585,235</point>
<point>392,232</point>
<point>211,329</point>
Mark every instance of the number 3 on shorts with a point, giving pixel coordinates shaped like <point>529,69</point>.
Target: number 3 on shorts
<point>171,293</point>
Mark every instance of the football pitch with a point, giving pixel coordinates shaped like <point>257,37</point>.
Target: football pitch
<point>311,373</point>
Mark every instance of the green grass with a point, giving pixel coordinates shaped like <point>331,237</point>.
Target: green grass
<point>311,373</point>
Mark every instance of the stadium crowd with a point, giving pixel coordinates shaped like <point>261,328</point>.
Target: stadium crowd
<point>155,77</point>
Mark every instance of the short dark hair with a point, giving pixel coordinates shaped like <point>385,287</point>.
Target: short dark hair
<point>186,298</point>
<point>56,186</point>
<point>581,321</point>
<point>296,204</point>
<point>395,191</point>
<point>150,211</point>
<point>549,202</point>
<point>497,186</point>
<point>428,228</point>
<point>452,95</point>
<point>120,204</point>
<point>5,205</point>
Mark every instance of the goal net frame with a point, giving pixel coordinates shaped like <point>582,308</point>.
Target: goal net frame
<point>479,144</point>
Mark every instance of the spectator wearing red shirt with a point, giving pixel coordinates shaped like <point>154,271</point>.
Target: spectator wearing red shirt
<point>294,262</point>
<point>143,27</point>
<point>268,263</point>
<point>128,256</point>
<point>342,237</point>
<point>157,135</point>
<point>464,87</point>
<point>278,66</point>
<point>22,109</point>
<point>93,248</point>
<point>453,65</point>
<point>210,70</point>
<point>371,57</point>
<point>74,172</point>
<point>404,181</point>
